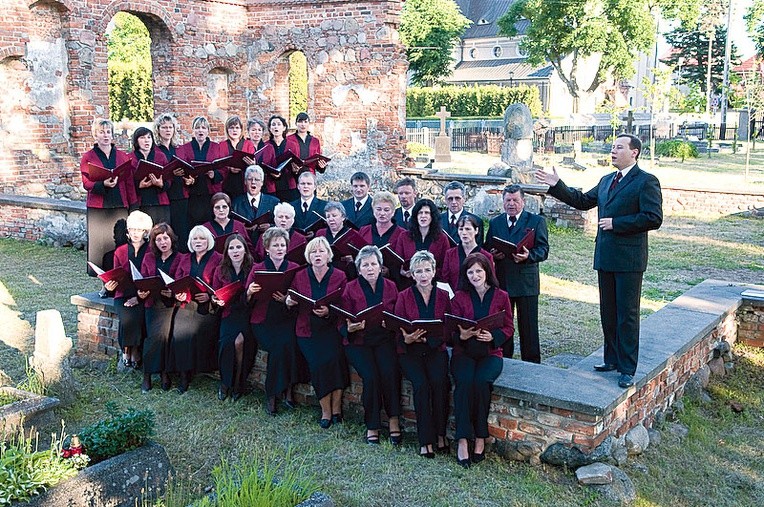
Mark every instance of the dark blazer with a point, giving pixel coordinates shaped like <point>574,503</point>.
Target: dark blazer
<point>303,220</point>
<point>454,231</point>
<point>462,306</point>
<point>365,216</point>
<point>243,207</point>
<point>398,217</point>
<point>520,279</point>
<point>301,284</point>
<point>635,205</point>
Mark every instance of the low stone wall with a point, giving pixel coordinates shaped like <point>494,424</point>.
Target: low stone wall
<point>705,201</point>
<point>750,318</point>
<point>29,411</point>
<point>61,222</point>
<point>535,406</point>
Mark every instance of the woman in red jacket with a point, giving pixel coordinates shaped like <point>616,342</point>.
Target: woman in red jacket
<point>316,330</point>
<point>151,190</point>
<point>132,328</point>
<point>107,200</point>
<point>233,185</point>
<point>167,135</point>
<point>424,233</point>
<point>201,188</point>
<point>284,185</point>
<point>467,227</point>
<point>476,360</point>
<point>193,347</point>
<point>304,145</point>
<point>370,348</point>
<point>160,306</point>
<point>237,347</point>
<point>423,357</point>
<point>273,323</point>
<point>222,224</point>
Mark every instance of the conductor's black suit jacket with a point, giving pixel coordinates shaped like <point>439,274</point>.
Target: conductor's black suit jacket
<point>635,205</point>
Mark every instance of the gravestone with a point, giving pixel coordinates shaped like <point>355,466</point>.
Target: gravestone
<point>443,141</point>
<point>517,149</point>
<point>51,348</point>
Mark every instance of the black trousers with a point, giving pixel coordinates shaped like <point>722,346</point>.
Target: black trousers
<point>619,312</point>
<point>378,368</point>
<point>472,394</point>
<point>429,376</point>
<point>526,308</point>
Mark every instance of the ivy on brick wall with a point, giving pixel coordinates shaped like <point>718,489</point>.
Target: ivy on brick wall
<point>129,53</point>
<point>470,100</point>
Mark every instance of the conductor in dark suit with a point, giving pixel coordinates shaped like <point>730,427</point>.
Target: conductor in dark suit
<point>455,194</point>
<point>629,203</point>
<point>254,203</point>
<point>519,275</point>
<point>358,207</point>
<point>308,202</point>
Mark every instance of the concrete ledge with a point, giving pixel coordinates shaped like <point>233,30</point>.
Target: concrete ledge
<point>94,301</point>
<point>31,410</point>
<point>43,203</point>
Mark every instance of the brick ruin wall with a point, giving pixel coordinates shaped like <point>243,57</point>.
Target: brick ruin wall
<point>210,57</point>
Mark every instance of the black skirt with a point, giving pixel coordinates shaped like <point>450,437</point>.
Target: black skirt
<point>326,357</point>
<point>157,343</point>
<point>286,364</point>
<point>236,323</point>
<point>193,345</point>
<point>132,326</point>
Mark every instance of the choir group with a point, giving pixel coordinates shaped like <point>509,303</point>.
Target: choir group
<point>229,250</point>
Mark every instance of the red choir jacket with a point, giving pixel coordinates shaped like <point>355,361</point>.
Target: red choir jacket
<point>449,272</point>
<point>149,268</point>
<point>160,159</point>
<point>218,281</point>
<point>293,145</point>
<point>238,228</point>
<point>184,268</point>
<point>295,239</point>
<point>95,189</point>
<point>301,284</point>
<point>186,152</point>
<point>461,306</point>
<point>260,307</point>
<point>407,308</point>
<point>405,247</point>
<point>234,181</point>
<point>354,300</point>
<point>366,234</point>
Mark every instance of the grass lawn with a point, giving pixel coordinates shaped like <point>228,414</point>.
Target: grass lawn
<point>718,464</point>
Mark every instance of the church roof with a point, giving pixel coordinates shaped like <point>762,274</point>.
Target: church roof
<point>484,14</point>
<point>498,70</point>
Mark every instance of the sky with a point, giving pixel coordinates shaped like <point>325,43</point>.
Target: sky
<point>737,28</point>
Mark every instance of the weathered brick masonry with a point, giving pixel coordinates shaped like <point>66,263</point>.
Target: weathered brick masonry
<point>209,57</point>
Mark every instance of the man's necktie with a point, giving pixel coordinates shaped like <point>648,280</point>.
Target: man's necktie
<point>254,206</point>
<point>453,220</point>
<point>406,216</point>
<point>512,221</point>
<point>304,207</point>
<point>617,178</point>
<point>357,206</point>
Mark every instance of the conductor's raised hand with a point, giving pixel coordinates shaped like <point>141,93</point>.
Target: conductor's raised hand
<point>547,178</point>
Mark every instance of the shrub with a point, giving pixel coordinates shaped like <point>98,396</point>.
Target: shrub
<point>483,101</point>
<point>121,432</point>
<point>677,149</point>
<point>415,148</point>
<point>25,471</point>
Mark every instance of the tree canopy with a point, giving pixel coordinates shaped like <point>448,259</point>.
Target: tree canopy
<point>691,46</point>
<point>611,32</point>
<point>129,68</point>
<point>429,30</point>
<point>754,20</point>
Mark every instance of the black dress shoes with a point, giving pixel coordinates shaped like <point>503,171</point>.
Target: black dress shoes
<point>270,406</point>
<point>605,367</point>
<point>222,393</point>
<point>288,404</point>
<point>477,457</point>
<point>464,463</point>
<point>337,419</point>
<point>325,423</point>
<point>625,381</point>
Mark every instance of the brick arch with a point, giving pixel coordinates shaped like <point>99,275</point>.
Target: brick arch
<point>222,64</point>
<point>64,5</point>
<point>14,51</point>
<point>142,9</point>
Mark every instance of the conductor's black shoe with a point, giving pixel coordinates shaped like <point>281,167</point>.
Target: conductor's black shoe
<point>605,367</point>
<point>625,381</point>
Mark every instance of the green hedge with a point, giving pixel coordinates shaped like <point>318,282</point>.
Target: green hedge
<point>470,101</point>
<point>677,149</point>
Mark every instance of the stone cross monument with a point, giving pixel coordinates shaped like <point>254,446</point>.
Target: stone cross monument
<point>443,141</point>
